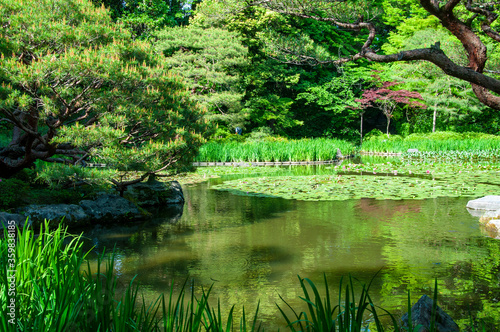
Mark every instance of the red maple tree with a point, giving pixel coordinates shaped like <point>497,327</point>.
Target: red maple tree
<point>388,100</point>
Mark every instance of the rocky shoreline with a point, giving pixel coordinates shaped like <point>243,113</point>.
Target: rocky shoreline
<point>104,209</point>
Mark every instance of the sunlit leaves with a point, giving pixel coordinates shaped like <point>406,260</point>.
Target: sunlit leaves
<point>90,91</point>
<point>211,61</point>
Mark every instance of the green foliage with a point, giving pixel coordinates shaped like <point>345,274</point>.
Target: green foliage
<point>375,134</point>
<point>395,12</point>
<point>452,100</point>
<point>211,61</point>
<point>12,192</point>
<point>145,17</point>
<point>271,151</point>
<point>273,111</point>
<point>294,101</point>
<point>401,38</point>
<point>57,175</point>
<point>97,94</point>
<point>53,295</point>
<point>329,106</point>
<point>349,314</point>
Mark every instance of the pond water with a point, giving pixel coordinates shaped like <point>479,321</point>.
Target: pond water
<point>252,248</point>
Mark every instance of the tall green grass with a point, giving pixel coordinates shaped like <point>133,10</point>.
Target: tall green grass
<point>348,314</point>
<point>438,145</point>
<point>320,149</point>
<point>53,294</point>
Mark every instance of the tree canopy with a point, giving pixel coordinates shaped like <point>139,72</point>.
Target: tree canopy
<point>211,61</point>
<point>76,88</point>
<point>472,22</point>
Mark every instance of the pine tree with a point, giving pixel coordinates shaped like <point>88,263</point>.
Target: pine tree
<point>75,88</point>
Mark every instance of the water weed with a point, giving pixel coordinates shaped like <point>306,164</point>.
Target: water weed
<point>442,146</point>
<point>264,151</point>
<point>395,181</point>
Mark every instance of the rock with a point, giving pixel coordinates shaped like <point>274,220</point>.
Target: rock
<point>487,216</point>
<point>154,192</point>
<point>105,209</point>
<point>6,218</point>
<point>412,150</point>
<point>73,215</point>
<point>421,313</point>
<point>492,228</point>
<point>488,203</point>
<point>110,208</point>
<point>493,225</point>
<point>339,154</point>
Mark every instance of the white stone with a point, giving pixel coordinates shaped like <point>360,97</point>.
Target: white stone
<point>489,203</point>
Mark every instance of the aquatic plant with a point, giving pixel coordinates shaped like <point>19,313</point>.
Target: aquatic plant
<point>57,290</point>
<point>453,155</point>
<point>52,294</point>
<point>349,314</point>
<point>320,149</point>
<point>414,180</point>
<point>440,146</point>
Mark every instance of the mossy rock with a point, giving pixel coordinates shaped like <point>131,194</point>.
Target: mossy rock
<point>155,192</point>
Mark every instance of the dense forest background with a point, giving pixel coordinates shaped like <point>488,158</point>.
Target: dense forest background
<point>271,74</point>
<point>141,85</point>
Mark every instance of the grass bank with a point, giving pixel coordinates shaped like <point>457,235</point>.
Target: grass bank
<point>320,149</point>
<point>50,291</point>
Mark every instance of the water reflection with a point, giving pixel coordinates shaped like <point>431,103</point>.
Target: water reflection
<point>253,248</point>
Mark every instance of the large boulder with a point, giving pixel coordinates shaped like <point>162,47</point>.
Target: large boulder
<point>153,192</point>
<point>73,215</point>
<point>477,207</point>
<point>421,314</point>
<point>104,209</point>
<point>110,208</point>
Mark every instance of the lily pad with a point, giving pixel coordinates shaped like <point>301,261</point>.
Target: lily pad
<point>379,181</point>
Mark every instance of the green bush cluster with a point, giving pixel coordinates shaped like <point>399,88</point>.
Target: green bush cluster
<point>12,192</point>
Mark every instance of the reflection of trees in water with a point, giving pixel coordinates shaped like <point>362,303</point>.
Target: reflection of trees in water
<point>212,208</point>
<point>252,248</point>
<point>433,241</point>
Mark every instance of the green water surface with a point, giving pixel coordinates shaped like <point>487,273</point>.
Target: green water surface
<point>252,248</point>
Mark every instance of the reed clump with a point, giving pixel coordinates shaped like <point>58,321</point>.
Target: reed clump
<point>320,149</point>
<point>438,145</point>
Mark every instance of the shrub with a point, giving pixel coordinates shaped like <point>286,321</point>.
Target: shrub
<point>12,192</point>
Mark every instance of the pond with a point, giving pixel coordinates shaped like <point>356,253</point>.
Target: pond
<point>252,249</point>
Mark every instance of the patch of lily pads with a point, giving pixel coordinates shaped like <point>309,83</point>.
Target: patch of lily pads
<point>380,181</point>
